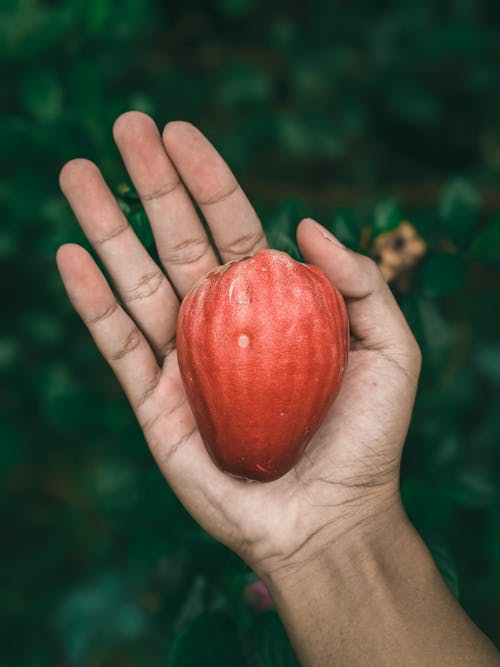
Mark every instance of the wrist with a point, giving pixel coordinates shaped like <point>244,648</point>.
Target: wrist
<point>345,552</point>
<point>375,597</point>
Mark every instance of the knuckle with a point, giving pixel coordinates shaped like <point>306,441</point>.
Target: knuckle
<point>131,342</point>
<point>163,191</point>
<point>220,195</point>
<point>246,244</point>
<point>146,286</point>
<point>189,251</point>
<point>150,390</point>
<point>104,315</point>
<point>167,348</point>
<point>120,229</point>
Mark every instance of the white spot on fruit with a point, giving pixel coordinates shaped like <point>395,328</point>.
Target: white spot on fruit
<point>238,293</point>
<point>243,299</point>
<point>243,341</point>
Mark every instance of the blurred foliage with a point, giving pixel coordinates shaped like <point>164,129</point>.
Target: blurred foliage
<point>359,114</point>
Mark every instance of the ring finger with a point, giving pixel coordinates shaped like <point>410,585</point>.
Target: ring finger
<point>142,287</point>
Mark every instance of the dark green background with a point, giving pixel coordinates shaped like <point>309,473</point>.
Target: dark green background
<point>357,113</point>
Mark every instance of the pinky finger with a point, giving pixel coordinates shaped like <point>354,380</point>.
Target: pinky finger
<point>116,335</point>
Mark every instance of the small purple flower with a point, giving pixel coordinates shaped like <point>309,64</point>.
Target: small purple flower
<point>257,596</point>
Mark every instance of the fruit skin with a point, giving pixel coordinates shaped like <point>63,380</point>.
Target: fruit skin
<point>262,345</point>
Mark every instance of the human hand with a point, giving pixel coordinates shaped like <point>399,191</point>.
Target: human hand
<point>348,478</point>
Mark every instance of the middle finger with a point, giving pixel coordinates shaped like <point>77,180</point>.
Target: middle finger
<point>183,245</point>
<point>234,224</point>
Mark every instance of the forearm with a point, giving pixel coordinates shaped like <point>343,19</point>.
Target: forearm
<point>377,599</point>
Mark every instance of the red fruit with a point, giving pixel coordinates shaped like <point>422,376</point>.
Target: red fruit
<point>262,345</point>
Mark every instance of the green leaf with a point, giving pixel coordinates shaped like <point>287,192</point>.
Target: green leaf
<point>210,640</point>
<point>100,611</point>
<point>42,94</point>
<point>424,220</point>
<point>10,354</point>
<point>281,225</point>
<point>444,560</point>
<point>193,604</point>
<point>99,13</point>
<point>280,241</point>
<point>386,216</point>
<point>475,487</point>
<point>271,642</point>
<point>428,506</point>
<point>437,334</point>
<point>411,103</point>
<point>11,449</point>
<point>287,216</point>
<point>486,245</point>
<point>459,209</point>
<point>442,274</point>
<point>307,135</point>
<point>487,361</point>
<point>242,85</point>
<point>431,329</point>
<point>235,8</point>
<point>345,226</point>
<point>140,224</point>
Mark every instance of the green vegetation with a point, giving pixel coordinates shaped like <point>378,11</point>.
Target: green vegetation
<point>359,115</point>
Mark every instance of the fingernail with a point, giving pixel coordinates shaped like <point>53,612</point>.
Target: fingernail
<point>327,234</point>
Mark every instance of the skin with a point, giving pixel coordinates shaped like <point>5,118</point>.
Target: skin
<point>341,503</point>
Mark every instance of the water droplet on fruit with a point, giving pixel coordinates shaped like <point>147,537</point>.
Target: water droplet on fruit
<point>243,341</point>
<point>243,299</point>
<point>239,292</point>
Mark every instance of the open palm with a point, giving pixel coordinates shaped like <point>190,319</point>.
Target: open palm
<point>350,469</point>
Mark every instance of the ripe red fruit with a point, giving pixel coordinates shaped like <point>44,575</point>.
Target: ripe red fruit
<point>262,345</point>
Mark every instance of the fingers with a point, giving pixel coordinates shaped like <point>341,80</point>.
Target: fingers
<point>143,288</point>
<point>182,243</point>
<point>116,335</point>
<point>374,315</point>
<point>156,396</point>
<point>233,222</point>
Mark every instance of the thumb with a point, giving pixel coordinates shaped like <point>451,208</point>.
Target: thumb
<point>374,315</point>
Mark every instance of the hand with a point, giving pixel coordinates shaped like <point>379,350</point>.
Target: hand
<point>348,479</point>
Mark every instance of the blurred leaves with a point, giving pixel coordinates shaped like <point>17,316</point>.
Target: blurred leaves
<point>486,245</point>
<point>272,646</point>
<point>282,223</point>
<point>210,639</point>
<point>431,329</point>
<point>99,612</point>
<point>359,116</point>
<point>444,560</point>
<point>386,217</point>
<point>235,8</point>
<point>487,361</point>
<point>459,208</point>
<point>345,225</point>
<point>42,94</point>
<point>443,273</point>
